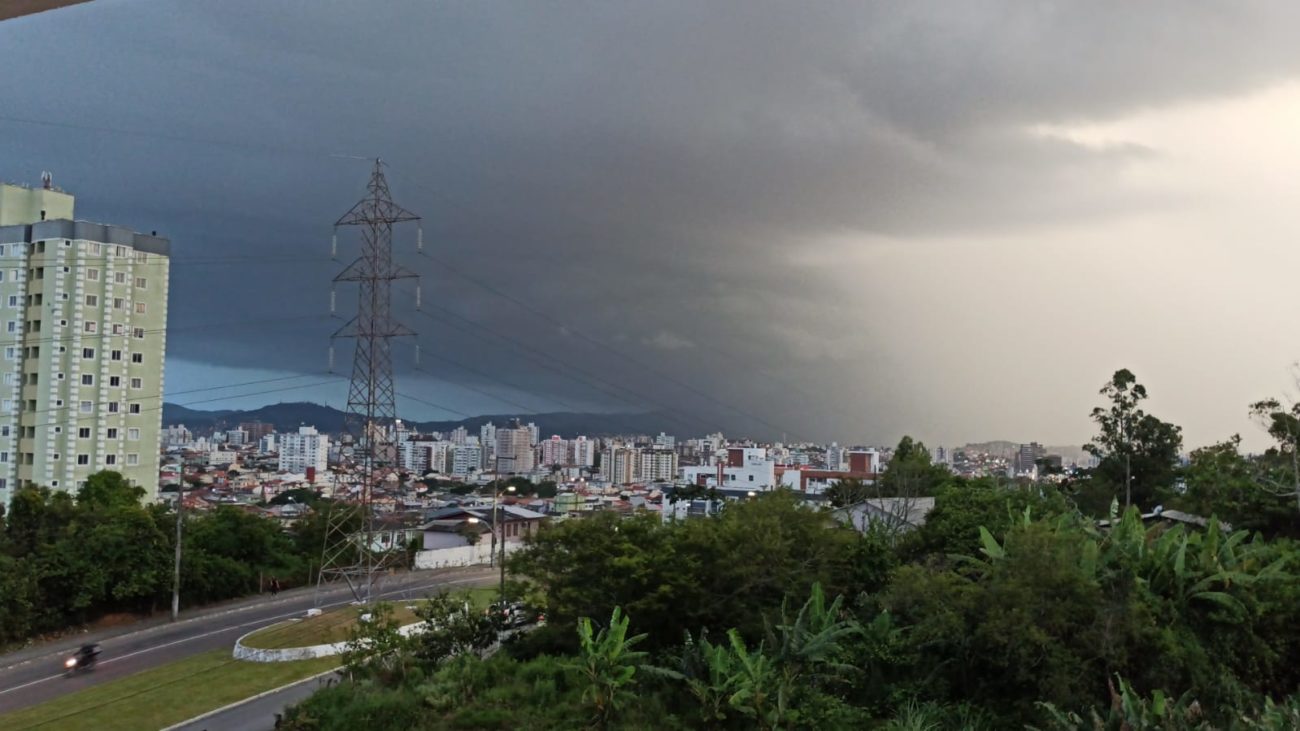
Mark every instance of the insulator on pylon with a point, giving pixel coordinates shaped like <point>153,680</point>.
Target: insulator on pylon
<point>419,239</point>
<point>332,298</point>
<point>331,368</point>
<point>334,246</point>
<point>417,296</point>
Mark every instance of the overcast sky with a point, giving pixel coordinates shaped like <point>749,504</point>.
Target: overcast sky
<point>837,220</point>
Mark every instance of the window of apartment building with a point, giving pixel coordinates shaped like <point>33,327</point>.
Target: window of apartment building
<point>66,270</point>
<point>93,249</point>
<point>4,431</point>
<point>114,407</point>
<point>13,300</point>
<point>38,299</point>
<point>34,325</point>
<point>92,300</point>
<point>4,456</point>
<point>139,308</point>
<point>91,327</point>
<point>118,303</point>
<point>92,275</point>
<point>87,353</point>
<point>56,456</point>
<point>141,283</point>
<point>86,407</point>
<point>83,459</point>
<point>2,250</point>
<point>31,404</point>
<point>138,332</point>
<point>137,357</point>
<point>132,459</point>
<point>29,432</point>
<point>63,323</point>
<point>87,379</point>
<point>119,277</point>
<point>121,251</point>
<point>119,329</point>
<point>115,355</point>
<point>133,408</point>
<point>83,432</point>
<point>31,379</point>
<point>137,383</point>
<point>115,381</point>
<point>39,273</point>
<point>12,326</point>
<point>112,433</point>
<point>110,459</point>
<point>133,434</point>
<point>40,247</point>
<point>10,378</point>
<point>7,404</point>
<point>11,352</point>
<point>59,376</point>
<point>58,402</point>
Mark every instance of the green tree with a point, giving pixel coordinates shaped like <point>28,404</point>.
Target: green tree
<point>910,473</point>
<point>849,491</point>
<point>108,490</point>
<point>1138,452</point>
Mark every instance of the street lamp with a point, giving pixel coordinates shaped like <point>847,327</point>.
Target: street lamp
<point>496,525</point>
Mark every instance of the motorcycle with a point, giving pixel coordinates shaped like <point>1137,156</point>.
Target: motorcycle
<point>80,662</point>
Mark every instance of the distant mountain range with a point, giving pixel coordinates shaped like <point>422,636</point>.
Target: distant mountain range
<point>290,416</point>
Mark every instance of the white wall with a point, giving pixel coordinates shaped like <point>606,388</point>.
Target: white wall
<point>460,556</point>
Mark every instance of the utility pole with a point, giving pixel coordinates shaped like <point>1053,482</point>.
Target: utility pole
<point>176,570</point>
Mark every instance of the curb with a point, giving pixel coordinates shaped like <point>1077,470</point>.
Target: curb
<point>250,699</point>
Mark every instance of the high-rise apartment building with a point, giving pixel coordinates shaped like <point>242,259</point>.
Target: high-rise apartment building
<point>83,308</point>
<point>583,450</point>
<point>514,448</point>
<point>307,448</point>
<point>555,451</point>
<point>620,464</point>
<point>658,464</point>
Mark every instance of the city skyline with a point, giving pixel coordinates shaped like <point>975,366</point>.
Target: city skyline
<point>761,232</point>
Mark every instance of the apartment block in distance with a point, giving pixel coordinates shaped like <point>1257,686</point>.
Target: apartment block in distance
<point>83,316</point>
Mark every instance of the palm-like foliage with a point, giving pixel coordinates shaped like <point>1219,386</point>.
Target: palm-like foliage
<point>609,665</point>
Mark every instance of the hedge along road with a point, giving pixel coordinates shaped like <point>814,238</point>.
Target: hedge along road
<point>36,678</point>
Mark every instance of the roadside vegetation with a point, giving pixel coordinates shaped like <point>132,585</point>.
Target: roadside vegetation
<point>68,560</point>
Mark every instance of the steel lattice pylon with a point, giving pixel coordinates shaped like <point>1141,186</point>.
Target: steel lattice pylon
<point>349,550</point>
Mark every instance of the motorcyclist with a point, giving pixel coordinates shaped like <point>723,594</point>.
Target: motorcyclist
<point>88,654</point>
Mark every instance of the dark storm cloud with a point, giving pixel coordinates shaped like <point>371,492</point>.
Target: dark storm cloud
<point>656,175</point>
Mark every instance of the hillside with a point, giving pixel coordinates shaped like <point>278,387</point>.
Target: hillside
<point>290,415</point>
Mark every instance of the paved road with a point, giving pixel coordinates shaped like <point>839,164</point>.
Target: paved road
<point>257,714</point>
<point>34,675</point>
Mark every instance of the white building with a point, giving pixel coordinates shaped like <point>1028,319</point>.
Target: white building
<point>743,467</point>
<point>266,444</point>
<point>658,465</point>
<point>583,452</point>
<point>666,441</point>
<point>487,437</point>
<point>177,435</point>
<point>466,459</point>
<point>307,448</point>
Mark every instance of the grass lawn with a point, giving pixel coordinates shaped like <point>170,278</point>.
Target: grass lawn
<point>333,626</point>
<point>164,695</point>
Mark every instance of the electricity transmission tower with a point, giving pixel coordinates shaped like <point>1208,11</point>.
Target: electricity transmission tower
<point>350,551</point>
